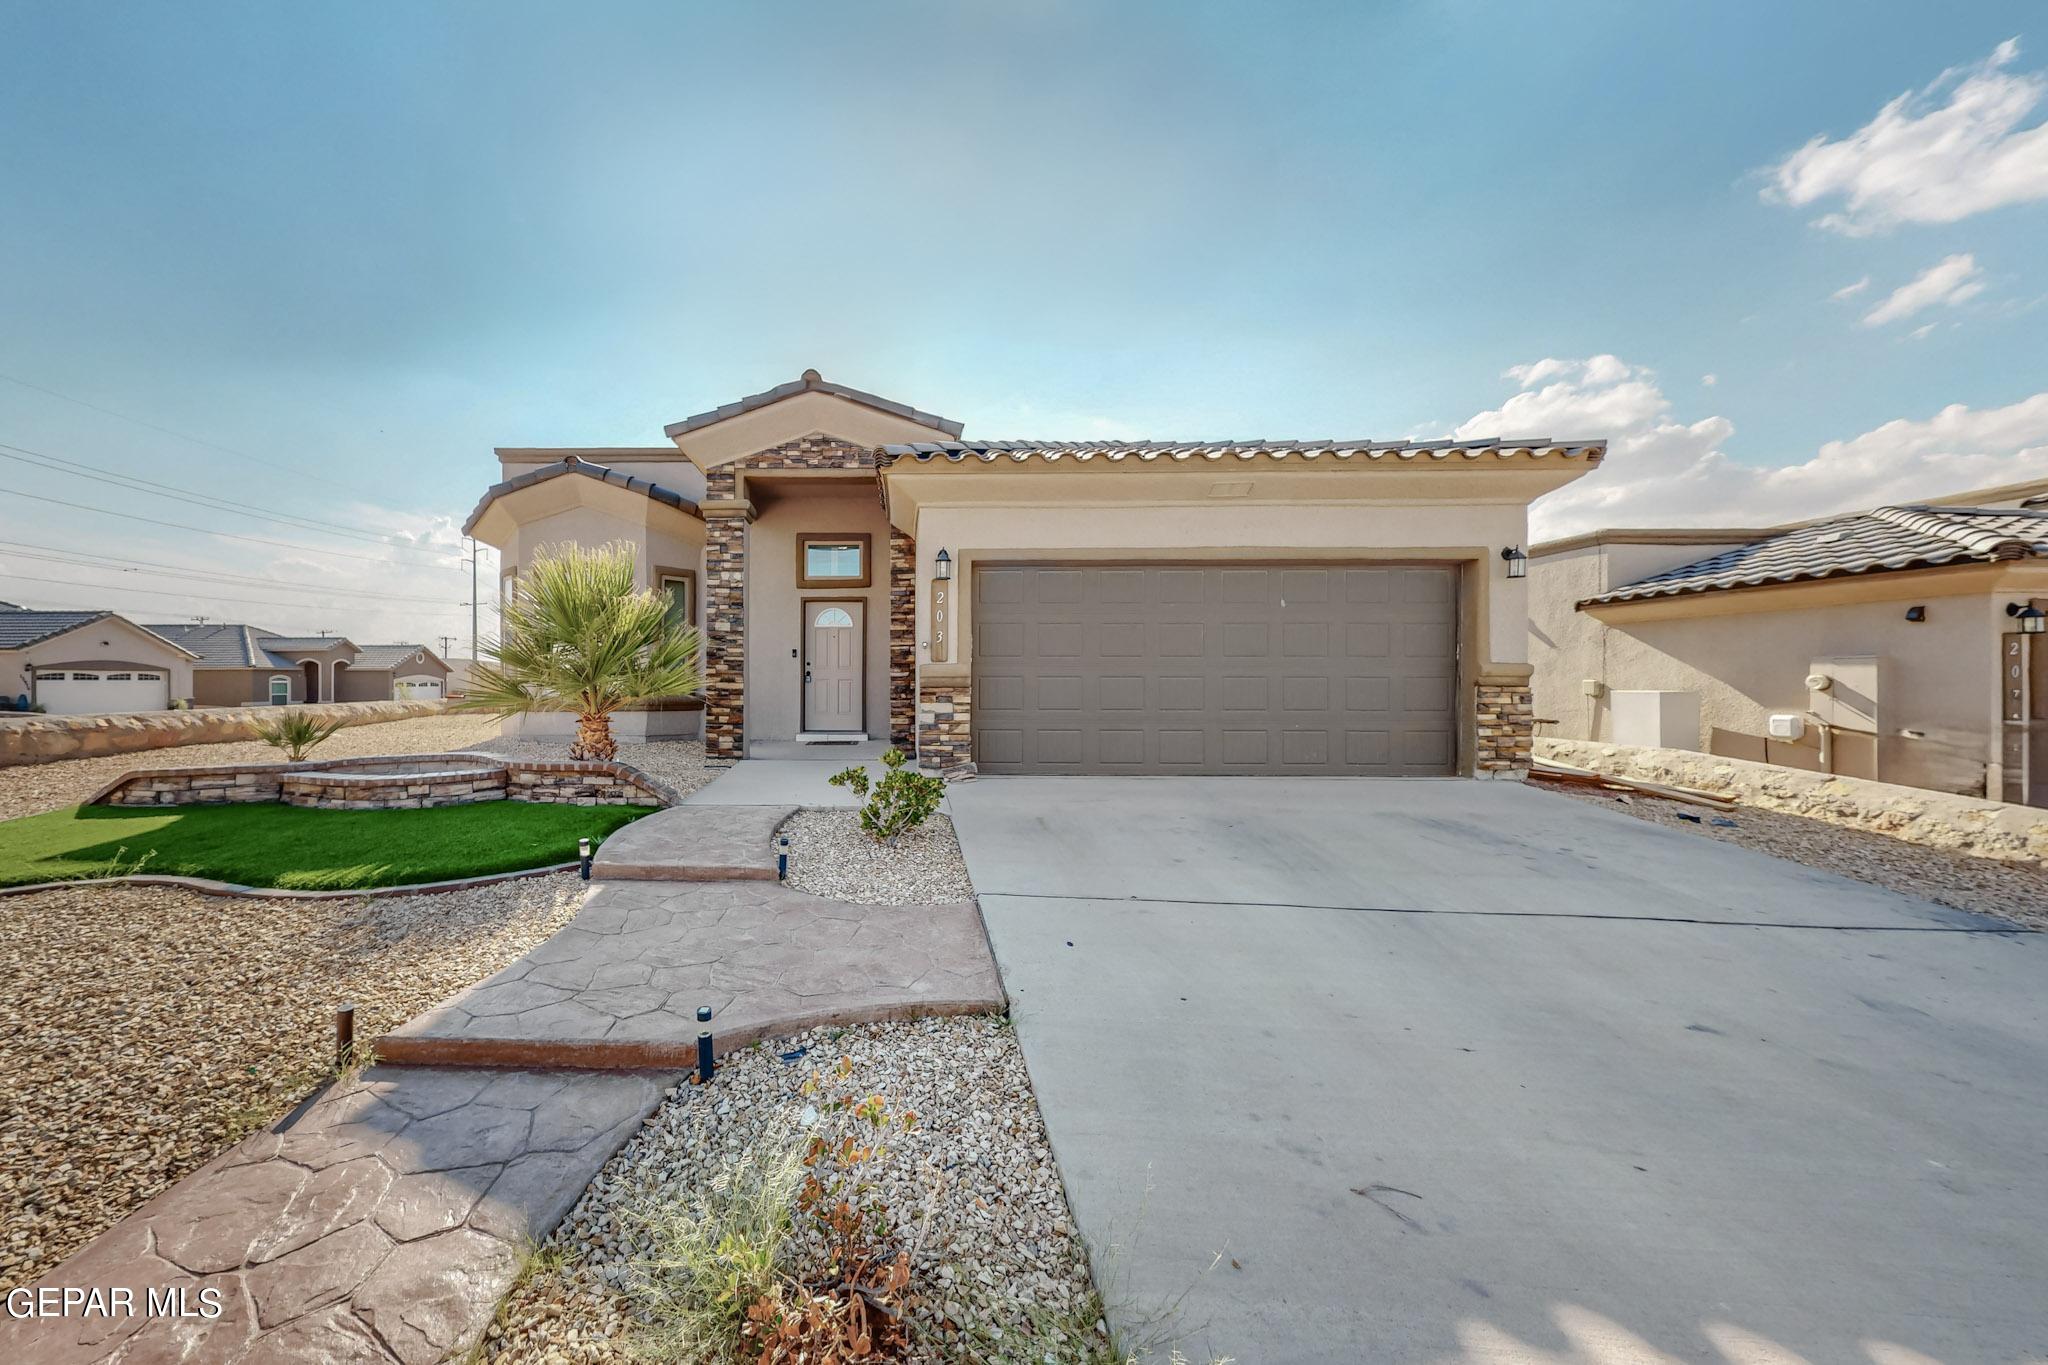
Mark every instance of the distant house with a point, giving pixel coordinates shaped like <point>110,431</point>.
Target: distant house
<point>1889,644</point>
<point>241,665</point>
<point>88,662</point>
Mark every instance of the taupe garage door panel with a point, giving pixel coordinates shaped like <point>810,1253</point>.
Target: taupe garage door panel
<point>1197,668</point>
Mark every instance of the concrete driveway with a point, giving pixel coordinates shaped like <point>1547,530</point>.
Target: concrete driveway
<point>1459,1071</point>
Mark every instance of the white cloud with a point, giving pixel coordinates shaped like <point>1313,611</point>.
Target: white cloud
<point>1922,332</point>
<point>1946,283</point>
<point>1710,380</point>
<point>1661,470</point>
<point>1850,291</point>
<point>1929,159</point>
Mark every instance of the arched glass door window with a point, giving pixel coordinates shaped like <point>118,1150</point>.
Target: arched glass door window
<point>834,616</point>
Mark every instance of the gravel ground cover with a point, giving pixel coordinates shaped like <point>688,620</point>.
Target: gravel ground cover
<point>830,856</point>
<point>2017,891</point>
<point>30,788</point>
<point>149,1027</point>
<point>998,1254</point>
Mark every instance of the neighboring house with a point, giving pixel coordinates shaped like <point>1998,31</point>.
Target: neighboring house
<point>1886,642</point>
<point>240,665</point>
<point>88,662</point>
<point>1310,607</point>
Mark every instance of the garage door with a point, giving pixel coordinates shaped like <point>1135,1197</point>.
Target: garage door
<point>1195,668</point>
<point>82,691</point>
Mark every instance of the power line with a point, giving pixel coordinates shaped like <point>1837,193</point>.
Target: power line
<point>116,564</point>
<point>137,484</point>
<point>195,440</point>
<point>186,594</point>
<point>181,526</point>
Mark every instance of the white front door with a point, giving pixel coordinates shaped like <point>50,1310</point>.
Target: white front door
<point>833,666</point>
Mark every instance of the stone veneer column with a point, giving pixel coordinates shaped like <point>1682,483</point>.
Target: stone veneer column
<point>1506,728</point>
<point>725,635</point>
<point>902,639</point>
<point>945,732</point>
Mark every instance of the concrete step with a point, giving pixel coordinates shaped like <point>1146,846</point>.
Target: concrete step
<point>695,844</point>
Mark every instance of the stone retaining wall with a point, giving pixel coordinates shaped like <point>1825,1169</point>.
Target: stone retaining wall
<point>46,739</point>
<point>1965,824</point>
<point>392,783</point>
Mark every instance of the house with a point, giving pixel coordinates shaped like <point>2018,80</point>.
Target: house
<point>858,568</point>
<point>1891,644</point>
<point>241,665</point>
<point>88,662</point>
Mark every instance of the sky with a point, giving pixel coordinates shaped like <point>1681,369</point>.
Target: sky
<point>317,260</point>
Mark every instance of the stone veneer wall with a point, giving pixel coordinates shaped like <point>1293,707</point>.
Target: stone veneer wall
<point>384,781</point>
<point>1506,729</point>
<point>945,730</point>
<point>46,739</point>
<point>902,639</point>
<point>725,587</point>
<point>1966,824</point>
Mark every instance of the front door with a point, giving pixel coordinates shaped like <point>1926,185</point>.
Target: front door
<point>833,666</point>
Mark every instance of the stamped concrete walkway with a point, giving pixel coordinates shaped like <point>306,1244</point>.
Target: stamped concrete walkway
<point>695,844</point>
<point>383,1225</point>
<point>619,985</point>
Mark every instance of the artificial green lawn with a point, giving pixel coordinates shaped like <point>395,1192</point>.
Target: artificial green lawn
<point>306,850</point>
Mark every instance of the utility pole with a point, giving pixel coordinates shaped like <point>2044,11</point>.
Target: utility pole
<point>472,600</point>
<point>447,644</point>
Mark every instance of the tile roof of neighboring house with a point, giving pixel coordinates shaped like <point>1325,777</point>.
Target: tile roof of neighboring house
<point>304,642</point>
<point>222,645</point>
<point>21,627</point>
<point>389,656</point>
<point>990,452</point>
<point>11,606</point>
<point>573,464</point>
<point>1888,538</point>
<point>812,382</point>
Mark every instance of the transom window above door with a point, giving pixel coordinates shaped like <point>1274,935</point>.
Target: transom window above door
<point>832,561</point>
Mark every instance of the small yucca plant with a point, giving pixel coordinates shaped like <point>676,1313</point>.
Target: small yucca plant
<point>297,733</point>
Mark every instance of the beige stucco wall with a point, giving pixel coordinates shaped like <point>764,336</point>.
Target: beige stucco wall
<point>98,643</point>
<point>775,603</point>
<point>664,465</point>
<point>801,414</point>
<point>1747,654</point>
<point>242,686</point>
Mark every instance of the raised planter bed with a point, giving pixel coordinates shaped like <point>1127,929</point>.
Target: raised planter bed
<point>391,782</point>
<point>407,786</point>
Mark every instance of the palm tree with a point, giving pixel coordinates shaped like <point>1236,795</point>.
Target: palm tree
<point>576,636</point>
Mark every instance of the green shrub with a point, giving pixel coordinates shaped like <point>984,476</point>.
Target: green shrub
<point>297,733</point>
<point>904,799</point>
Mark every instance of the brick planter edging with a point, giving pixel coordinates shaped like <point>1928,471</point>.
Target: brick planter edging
<point>544,781</point>
<point>207,886</point>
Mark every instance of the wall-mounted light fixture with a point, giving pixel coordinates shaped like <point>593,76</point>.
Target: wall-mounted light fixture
<point>2032,620</point>
<point>942,566</point>
<point>1517,562</point>
<point>1916,613</point>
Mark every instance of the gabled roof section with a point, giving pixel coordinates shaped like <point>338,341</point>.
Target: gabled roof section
<point>1397,452</point>
<point>222,645</point>
<point>810,381</point>
<point>20,627</point>
<point>390,656</point>
<point>589,469</point>
<point>1885,540</point>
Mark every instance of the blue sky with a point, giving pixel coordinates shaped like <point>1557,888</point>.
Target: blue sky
<point>351,248</point>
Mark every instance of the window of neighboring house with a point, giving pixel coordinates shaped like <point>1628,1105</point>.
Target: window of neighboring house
<point>149,677</point>
<point>120,677</point>
<point>832,561</point>
<point>280,689</point>
<point>51,677</point>
<point>85,677</point>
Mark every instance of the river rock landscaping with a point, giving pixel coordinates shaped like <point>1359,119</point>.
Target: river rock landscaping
<point>997,1272</point>
<point>150,1027</point>
<point>830,855</point>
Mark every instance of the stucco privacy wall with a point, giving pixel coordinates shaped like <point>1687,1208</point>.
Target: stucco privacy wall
<point>1985,829</point>
<point>45,739</point>
<point>1937,677</point>
<point>98,644</point>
